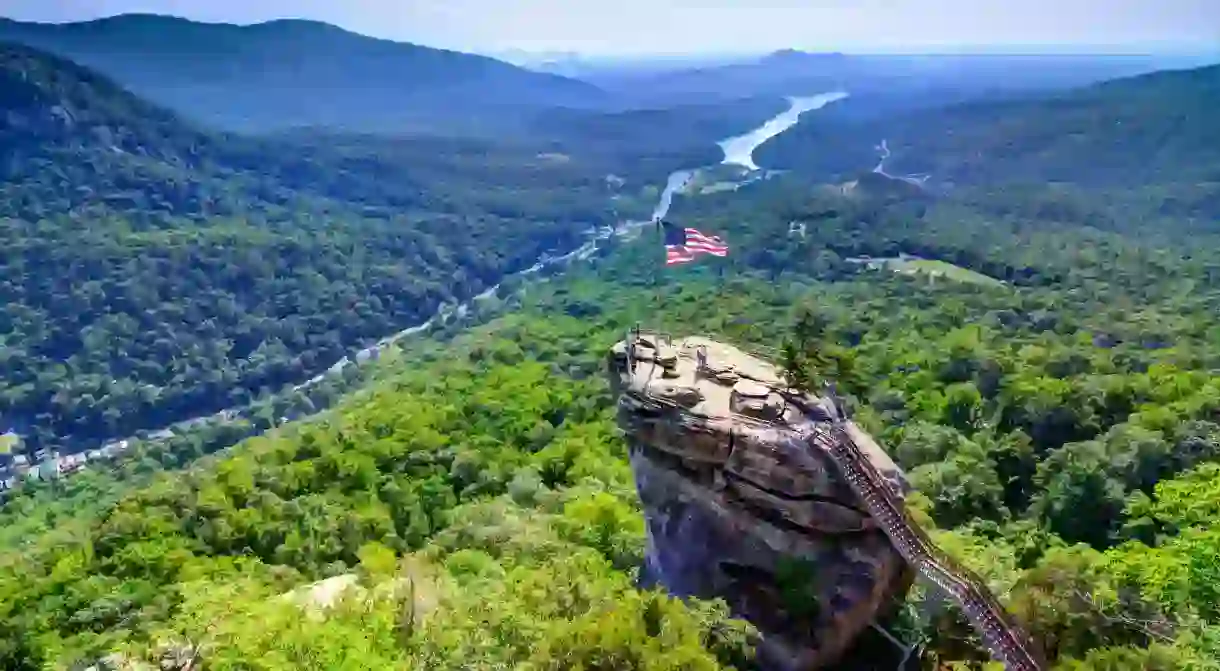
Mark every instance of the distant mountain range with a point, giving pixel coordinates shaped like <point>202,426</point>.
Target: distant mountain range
<point>285,74</point>
<point>877,82</point>
<point>1148,129</point>
<point>598,69</point>
<point>176,270</point>
<point>290,74</point>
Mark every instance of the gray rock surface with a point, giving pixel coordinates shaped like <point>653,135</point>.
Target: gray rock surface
<point>740,506</point>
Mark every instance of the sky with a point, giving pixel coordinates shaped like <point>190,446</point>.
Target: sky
<point>622,27</point>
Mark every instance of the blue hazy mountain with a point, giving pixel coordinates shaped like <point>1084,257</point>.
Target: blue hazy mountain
<point>293,73</point>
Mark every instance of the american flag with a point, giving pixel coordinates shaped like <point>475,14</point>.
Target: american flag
<point>683,244</point>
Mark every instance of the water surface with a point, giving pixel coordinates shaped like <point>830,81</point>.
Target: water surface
<point>739,150</point>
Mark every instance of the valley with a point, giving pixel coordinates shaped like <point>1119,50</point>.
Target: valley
<point>296,198</point>
<point>250,78</point>
<point>677,184</point>
<point>361,339</point>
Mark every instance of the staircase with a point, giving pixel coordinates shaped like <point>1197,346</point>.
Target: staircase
<point>1001,635</point>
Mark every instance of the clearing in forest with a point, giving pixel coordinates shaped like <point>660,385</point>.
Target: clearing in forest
<point>941,269</point>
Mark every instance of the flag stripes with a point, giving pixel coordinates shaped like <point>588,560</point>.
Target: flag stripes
<point>684,246</point>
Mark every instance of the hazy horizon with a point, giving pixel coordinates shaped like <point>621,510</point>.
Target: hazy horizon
<point>686,27</point>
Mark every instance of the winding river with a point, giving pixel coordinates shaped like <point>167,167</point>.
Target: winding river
<point>738,150</point>
<point>883,151</point>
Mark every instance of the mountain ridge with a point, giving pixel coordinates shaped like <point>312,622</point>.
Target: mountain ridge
<point>879,83</point>
<point>1150,128</point>
<point>291,73</point>
<point>1058,422</point>
<point>193,269</point>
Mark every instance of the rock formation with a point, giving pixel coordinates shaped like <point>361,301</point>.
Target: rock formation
<point>739,506</point>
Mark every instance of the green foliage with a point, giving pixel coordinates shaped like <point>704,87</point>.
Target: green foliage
<point>793,578</point>
<point>217,270</point>
<point>1060,429</point>
<point>1150,133</point>
<point>504,474</point>
<point>1190,500</point>
<point>962,487</point>
<point>377,561</point>
<point>445,460</point>
<point>300,74</point>
<point>810,360</point>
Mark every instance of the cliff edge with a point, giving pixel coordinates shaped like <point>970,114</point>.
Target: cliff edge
<point>739,507</point>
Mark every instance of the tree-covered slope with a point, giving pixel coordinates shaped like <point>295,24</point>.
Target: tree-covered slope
<point>1060,423</point>
<point>1153,129</point>
<point>1156,128</point>
<point>154,271</point>
<point>1071,472</point>
<point>289,73</point>
<point>886,81</point>
<point>651,142</point>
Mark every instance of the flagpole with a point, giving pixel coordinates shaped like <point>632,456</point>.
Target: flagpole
<point>656,273</point>
<point>658,228</point>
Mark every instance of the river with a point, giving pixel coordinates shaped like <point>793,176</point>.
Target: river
<point>738,150</point>
<point>883,151</point>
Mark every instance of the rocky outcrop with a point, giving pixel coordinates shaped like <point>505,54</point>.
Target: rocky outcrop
<point>739,506</point>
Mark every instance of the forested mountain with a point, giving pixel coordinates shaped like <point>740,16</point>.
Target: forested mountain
<point>1155,128</point>
<point>290,73</point>
<point>895,82</point>
<point>154,271</point>
<point>1061,432</point>
<point>650,139</point>
<point>67,121</point>
<point>1152,129</point>
<point>1038,358</point>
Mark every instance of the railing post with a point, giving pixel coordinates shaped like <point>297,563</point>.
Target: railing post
<point>630,351</point>
<point>1001,636</point>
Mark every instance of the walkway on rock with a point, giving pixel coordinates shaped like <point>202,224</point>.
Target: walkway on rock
<point>852,451</point>
<point>1006,640</point>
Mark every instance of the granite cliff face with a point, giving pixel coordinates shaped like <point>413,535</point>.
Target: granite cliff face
<point>740,507</point>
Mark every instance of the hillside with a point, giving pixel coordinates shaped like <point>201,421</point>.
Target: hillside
<point>1053,450</point>
<point>1152,129</point>
<point>56,114</point>
<point>1037,359</point>
<point>653,141</point>
<point>285,74</point>
<point>1155,128</point>
<point>156,271</point>
<point>877,82</point>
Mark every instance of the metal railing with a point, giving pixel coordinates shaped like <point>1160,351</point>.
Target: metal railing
<point>1002,636</point>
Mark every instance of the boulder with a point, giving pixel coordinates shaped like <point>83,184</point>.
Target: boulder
<point>740,505</point>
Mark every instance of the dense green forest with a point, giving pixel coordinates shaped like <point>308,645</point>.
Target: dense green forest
<point>1071,466</point>
<point>1038,358</point>
<point>155,272</point>
<point>1143,146</point>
